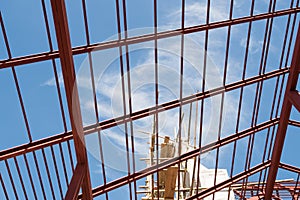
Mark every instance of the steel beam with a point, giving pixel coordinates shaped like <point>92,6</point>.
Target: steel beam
<point>35,145</point>
<point>294,98</point>
<point>68,72</point>
<point>294,123</point>
<point>75,183</point>
<point>284,117</point>
<point>289,168</point>
<point>144,38</point>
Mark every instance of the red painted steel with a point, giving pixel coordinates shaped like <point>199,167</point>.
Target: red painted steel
<point>76,181</point>
<point>81,176</point>
<point>284,117</point>
<point>68,72</point>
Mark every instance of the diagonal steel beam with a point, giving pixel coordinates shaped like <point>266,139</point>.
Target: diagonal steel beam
<point>284,117</point>
<point>76,181</point>
<point>294,98</point>
<point>294,123</point>
<point>289,168</point>
<point>68,72</point>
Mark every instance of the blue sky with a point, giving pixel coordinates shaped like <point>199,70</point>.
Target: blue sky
<point>26,32</point>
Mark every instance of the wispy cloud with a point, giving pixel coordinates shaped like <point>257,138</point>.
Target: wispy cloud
<point>109,83</point>
<point>52,81</point>
<point>254,45</point>
<point>196,13</point>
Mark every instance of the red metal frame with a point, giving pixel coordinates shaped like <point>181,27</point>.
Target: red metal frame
<point>38,149</point>
<point>144,38</point>
<point>290,99</point>
<point>68,72</point>
<point>76,182</point>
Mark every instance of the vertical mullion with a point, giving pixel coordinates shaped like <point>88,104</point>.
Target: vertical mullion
<point>156,98</point>
<point>222,96</point>
<point>129,95</point>
<point>219,136</point>
<point>94,94</point>
<point>63,163</point>
<point>242,88</point>
<point>226,65</point>
<point>194,144</point>
<point>39,174</point>
<point>46,21</point>
<point>30,176</point>
<point>11,179</point>
<point>200,145</point>
<point>15,79</point>
<point>3,186</point>
<point>48,174</point>
<point>21,102</point>
<point>180,98</point>
<point>86,26</point>
<point>20,177</point>
<point>222,107</point>
<point>70,156</point>
<point>296,184</point>
<point>56,171</point>
<point>202,101</point>
<point>123,93</point>
<point>272,140</point>
<point>186,161</point>
<point>97,121</point>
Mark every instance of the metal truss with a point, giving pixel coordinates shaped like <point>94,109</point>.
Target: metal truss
<point>73,140</point>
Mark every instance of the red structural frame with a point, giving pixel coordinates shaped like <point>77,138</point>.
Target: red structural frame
<point>276,127</point>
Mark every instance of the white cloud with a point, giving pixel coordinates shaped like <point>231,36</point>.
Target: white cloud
<point>196,13</point>
<point>109,84</point>
<point>254,45</point>
<point>52,81</point>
